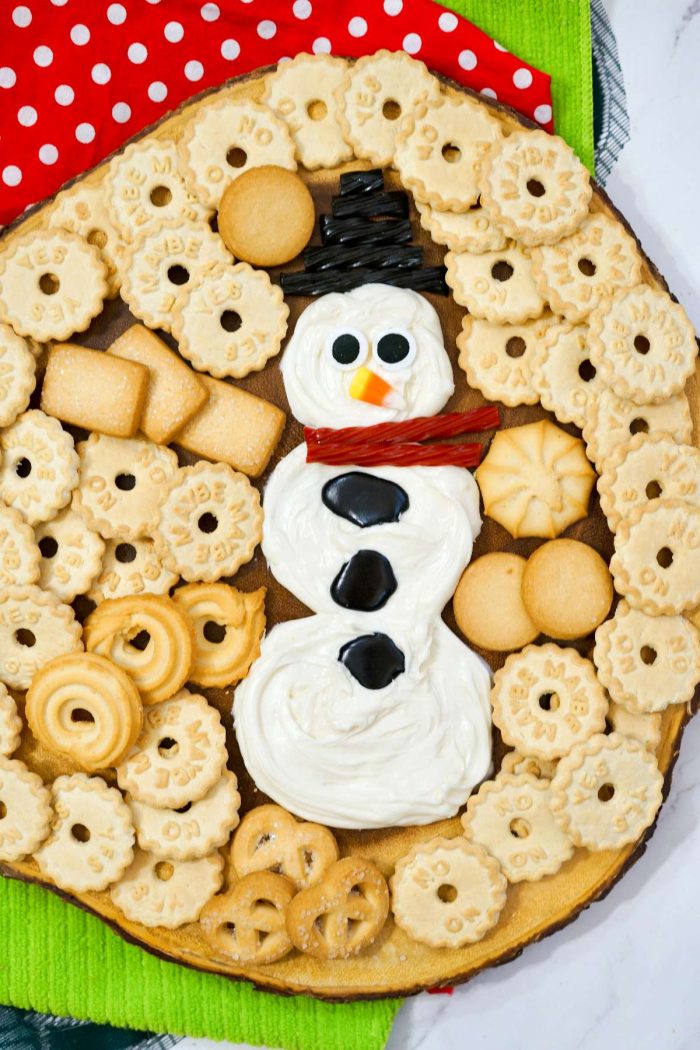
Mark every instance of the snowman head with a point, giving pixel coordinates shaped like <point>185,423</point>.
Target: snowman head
<point>372,355</point>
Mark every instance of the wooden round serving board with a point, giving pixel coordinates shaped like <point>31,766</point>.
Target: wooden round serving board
<point>394,965</point>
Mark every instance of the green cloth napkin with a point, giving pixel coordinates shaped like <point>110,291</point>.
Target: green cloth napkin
<point>58,959</point>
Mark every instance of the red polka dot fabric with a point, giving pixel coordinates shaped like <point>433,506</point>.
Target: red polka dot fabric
<point>79,77</point>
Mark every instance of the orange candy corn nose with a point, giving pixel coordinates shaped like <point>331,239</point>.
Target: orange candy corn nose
<point>366,385</point>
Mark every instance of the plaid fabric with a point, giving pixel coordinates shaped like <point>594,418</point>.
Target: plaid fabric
<point>611,124</point>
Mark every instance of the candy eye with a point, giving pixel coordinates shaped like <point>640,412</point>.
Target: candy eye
<point>395,349</point>
<point>346,348</point>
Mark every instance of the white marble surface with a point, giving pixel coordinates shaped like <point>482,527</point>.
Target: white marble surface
<point>625,973</point>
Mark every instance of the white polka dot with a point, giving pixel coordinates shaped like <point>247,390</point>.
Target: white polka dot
<point>284,58</point>
<point>489,92</point>
<point>522,78</point>
<point>11,175</point>
<point>43,55</point>
<point>80,35</point>
<point>157,91</point>
<point>101,73</point>
<point>116,14</point>
<point>64,94</point>
<point>210,12</point>
<point>85,132</point>
<point>499,47</point>
<point>152,1</point>
<point>301,9</point>
<point>21,16</point>
<point>194,70</point>
<point>393,7</point>
<point>59,3</point>
<point>230,49</point>
<point>412,43</point>
<point>26,115</point>
<point>121,112</point>
<point>266,29</point>
<point>357,26</point>
<point>321,46</point>
<point>543,114</point>
<point>8,77</point>
<point>48,154</point>
<point>447,21</point>
<point>467,59</point>
<point>137,54</point>
<point>174,32</point>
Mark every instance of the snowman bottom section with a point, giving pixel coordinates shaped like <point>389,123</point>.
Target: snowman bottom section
<point>365,722</point>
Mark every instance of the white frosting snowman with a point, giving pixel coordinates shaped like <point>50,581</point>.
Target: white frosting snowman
<point>370,713</point>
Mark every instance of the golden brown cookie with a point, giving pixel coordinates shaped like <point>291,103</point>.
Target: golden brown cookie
<point>227,626</point>
<point>567,589</point>
<point>266,216</point>
<point>248,924</point>
<point>488,605</point>
<point>270,839</point>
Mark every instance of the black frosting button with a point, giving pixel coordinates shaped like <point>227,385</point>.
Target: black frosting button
<point>364,499</point>
<point>373,660</point>
<point>365,583</point>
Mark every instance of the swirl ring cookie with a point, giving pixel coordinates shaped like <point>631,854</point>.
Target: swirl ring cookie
<point>179,756</point>
<point>71,555</point>
<point>613,421</point>
<point>511,818</point>
<point>192,832</point>
<point>92,837</point>
<point>52,284</point>
<point>83,209</point>
<point>167,893</point>
<point>227,137</point>
<point>535,187</point>
<point>563,375</point>
<point>440,148</point>
<point>545,699</point>
<point>83,706</point>
<point>210,522</point>
<point>39,466</point>
<point>232,297</point>
<point>17,379</point>
<point>606,792</point>
<point>122,484</point>
<point>270,839</point>
<point>656,564</point>
<point>583,270</point>
<point>10,723</point>
<point>495,286</point>
<point>447,892</point>
<point>148,637</point>
<point>26,806</point>
<point>19,554</point>
<point>35,627</point>
<point>647,662</point>
<point>248,924</point>
<point>467,231</point>
<point>499,359</point>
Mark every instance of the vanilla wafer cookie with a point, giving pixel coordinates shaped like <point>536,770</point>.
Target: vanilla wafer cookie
<point>231,322</point>
<point>19,554</point>
<point>10,723</point>
<point>467,231</point>
<point>495,286</point>
<point>164,262</point>
<point>301,92</point>
<point>586,268</point>
<point>499,359</point>
<point>71,554</point>
<point>606,792</point>
<point>26,809</point>
<point>210,522</point>
<point>145,187</point>
<point>656,564</point>
<point>228,136</point>
<point>193,831</point>
<point>447,892</point>
<point>168,893</point>
<point>179,756</point>
<point>83,209</point>
<point>642,344</point>
<point>542,768</point>
<point>52,284</point>
<point>34,628</point>
<point>645,468</point>
<point>122,483</point>
<point>645,728</point>
<point>545,699</point>
<point>92,836</point>
<point>563,375</point>
<point>613,421</point>
<point>39,467</point>
<point>375,92</point>
<point>647,662</point>
<point>511,818</point>
<point>17,380</point>
<point>131,567</point>
<point>440,148</point>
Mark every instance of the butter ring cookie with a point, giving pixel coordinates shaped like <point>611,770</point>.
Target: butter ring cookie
<point>227,624</point>
<point>463,231</point>
<point>563,374</point>
<point>83,209</point>
<point>613,420</point>
<point>499,359</point>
